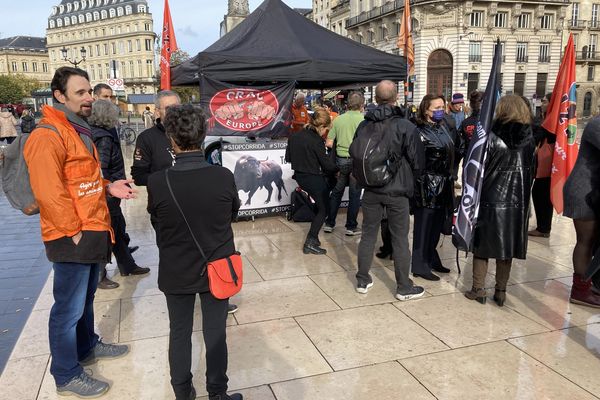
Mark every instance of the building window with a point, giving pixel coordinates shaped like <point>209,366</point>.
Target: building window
<point>382,32</point>
<point>519,84</point>
<point>574,13</point>
<point>396,28</point>
<point>474,51</point>
<point>100,72</point>
<point>594,23</point>
<point>112,12</point>
<point>105,49</point>
<point>148,45</point>
<point>500,20</point>
<point>147,27</point>
<point>546,21</point>
<point>141,8</point>
<point>14,66</point>
<point>522,52</point>
<point>140,68</point>
<point>108,71</point>
<point>52,24</point>
<point>131,69</point>
<point>540,85</point>
<point>98,50</point>
<point>96,15</point>
<point>138,45</point>
<point>128,10</point>
<point>121,47</point>
<point>103,14</point>
<point>370,37</point>
<point>81,18</point>
<point>93,73</point>
<point>524,21</point>
<point>592,46</point>
<point>59,22</point>
<point>149,68</point>
<point>587,104</point>
<point>120,12</point>
<point>34,67</point>
<point>544,56</point>
<point>129,46</point>
<point>590,73</point>
<point>575,37</point>
<point>24,64</point>
<point>114,47</point>
<point>88,17</point>
<point>44,67</point>
<point>67,21</point>
<point>476,18</point>
<point>473,82</point>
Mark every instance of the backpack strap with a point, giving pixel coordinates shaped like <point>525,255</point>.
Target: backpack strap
<point>52,128</point>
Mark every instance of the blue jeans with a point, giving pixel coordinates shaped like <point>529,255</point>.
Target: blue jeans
<point>345,179</point>
<point>71,325</point>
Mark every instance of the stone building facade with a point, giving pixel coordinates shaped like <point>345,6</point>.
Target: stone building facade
<point>117,35</point>
<point>454,41</point>
<point>25,55</point>
<point>583,20</point>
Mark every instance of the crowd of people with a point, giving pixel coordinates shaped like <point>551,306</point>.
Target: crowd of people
<point>78,178</point>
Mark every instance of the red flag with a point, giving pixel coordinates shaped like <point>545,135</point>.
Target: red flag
<point>168,47</point>
<point>405,41</point>
<point>561,120</point>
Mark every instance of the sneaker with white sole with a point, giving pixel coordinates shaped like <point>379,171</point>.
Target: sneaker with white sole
<point>328,229</point>
<point>353,232</point>
<point>364,287</point>
<point>105,351</point>
<point>83,386</point>
<point>409,294</point>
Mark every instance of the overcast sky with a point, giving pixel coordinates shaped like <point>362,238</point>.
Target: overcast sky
<point>196,22</point>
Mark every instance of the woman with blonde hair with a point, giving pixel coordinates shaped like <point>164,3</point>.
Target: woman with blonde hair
<point>501,230</point>
<point>306,152</point>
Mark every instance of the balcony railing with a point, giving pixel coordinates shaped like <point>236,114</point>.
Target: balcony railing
<point>594,24</point>
<point>587,56</point>
<point>522,59</point>
<point>544,59</point>
<point>474,58</point>
<point>398,5</point>
<point>577,24</point>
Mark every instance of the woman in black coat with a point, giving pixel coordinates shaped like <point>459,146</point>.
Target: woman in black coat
<point>434,189</point>
<point>209,198</point>
<point>307,154</point>
<point>501,230</point>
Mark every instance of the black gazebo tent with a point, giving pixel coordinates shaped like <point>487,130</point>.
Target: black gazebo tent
<point>277,44</point>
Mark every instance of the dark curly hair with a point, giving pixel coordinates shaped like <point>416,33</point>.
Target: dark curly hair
<point>62,76</point>
<point>186,125</point>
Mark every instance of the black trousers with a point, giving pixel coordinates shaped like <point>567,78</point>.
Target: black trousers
<point>540,193</point>
<point>181,320</point>
<point>426,235</point>
<point>121,249</point>
<point>316,186</point>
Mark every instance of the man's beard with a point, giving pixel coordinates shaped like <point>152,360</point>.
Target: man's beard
<point>84,113</point>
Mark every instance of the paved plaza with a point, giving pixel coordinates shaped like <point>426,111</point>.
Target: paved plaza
<point>302,332</point>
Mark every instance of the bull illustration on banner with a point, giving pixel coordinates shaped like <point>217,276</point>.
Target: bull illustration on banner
<point>251,174</point>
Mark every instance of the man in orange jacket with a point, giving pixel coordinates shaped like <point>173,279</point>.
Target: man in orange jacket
<point>300,113</point>
<point>68,186</point>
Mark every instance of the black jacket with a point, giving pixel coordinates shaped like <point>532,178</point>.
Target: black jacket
<point>27,124</point>
<point>501,230</point>
<point>209,213</point>
<point>468,128</point>
<point>434,188</point>
<point>111,161</point>
<point>153,152</point>
<point>403,141</point>
<point>306,152</point>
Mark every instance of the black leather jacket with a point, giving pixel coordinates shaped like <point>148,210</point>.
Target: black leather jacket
<point>111,160</point>
<point>501,230</point>
<point>434,189</point>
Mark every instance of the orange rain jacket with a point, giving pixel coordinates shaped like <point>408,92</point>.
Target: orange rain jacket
<point>66,179</point>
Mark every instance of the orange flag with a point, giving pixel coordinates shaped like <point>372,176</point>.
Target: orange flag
<point>168,47</point>
<point>405,41</point>
<point>561,120</point>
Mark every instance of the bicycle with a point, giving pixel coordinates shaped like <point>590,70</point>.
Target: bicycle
<point>126,133</point>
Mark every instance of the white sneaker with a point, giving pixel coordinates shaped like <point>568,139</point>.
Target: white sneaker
<point>328,229</point>
<point>412,293</point>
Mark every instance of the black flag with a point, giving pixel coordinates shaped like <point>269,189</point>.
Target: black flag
<point>473,166</point>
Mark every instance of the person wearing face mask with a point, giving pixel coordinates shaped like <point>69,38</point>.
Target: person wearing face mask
<point>433,198</point>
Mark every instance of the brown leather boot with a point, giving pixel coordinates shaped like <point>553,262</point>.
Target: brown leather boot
<point>502,274</point>
<point>477,292</point>
<point>581,292</point>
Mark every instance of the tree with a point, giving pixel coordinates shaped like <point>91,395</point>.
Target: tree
<point>178,57</point>
<point>13,88</point>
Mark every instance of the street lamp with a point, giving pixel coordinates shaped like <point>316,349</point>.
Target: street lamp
<point>75,62</point>
<point>460,38</point>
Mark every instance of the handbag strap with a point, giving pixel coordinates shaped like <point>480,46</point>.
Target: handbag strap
<point>232,271</point>
<point>183,215</point>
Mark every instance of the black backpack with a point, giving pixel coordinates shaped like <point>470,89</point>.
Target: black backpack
<point>27,125</point>
<point>303,208</point>
<point>373,162</point>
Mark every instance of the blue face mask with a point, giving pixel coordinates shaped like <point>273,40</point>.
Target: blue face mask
<point>437,115</point>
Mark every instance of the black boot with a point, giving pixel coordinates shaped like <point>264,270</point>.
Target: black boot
<point>384,252</point>
<point>225,396</point>
<point>135,270</point>
<point>311,246</point>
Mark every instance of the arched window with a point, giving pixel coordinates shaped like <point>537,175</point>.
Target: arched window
<point>141,8</point>
<point>112,12</point>
<point>52,24</point>
<point>81,18</point>
<point>88,17</point>
<point>119,11</point>
<point>83,4</point>
<point>73,19</point>
<point>128,10</point>
<point>103,14</point>
<point>54,10</point>
<point>68,7</point>
<point>67,21</point>
<point>587,104</point>
<point>96,15</point>
<point>61,8</point>
<point>76,5</point>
